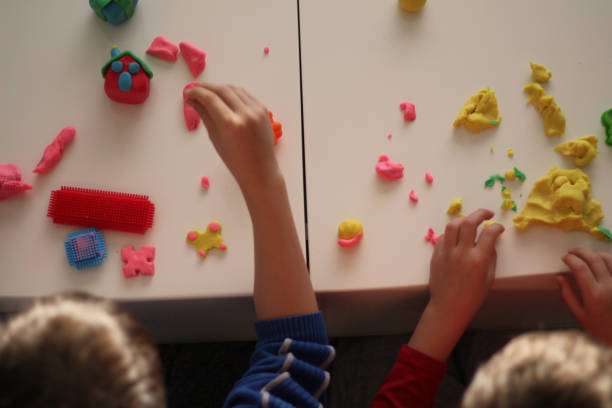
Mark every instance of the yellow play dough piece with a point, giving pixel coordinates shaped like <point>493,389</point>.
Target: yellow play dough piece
<point>488,223</point>
<point>479,112</point>
<point>492,149</point>
<point>539,72</point>
<point>510,152</point>
<point>554,121</point>
<point>455,206</point>
<point>349,228</point>
<point>510,175</point>
<point>562,199</point>
<point>583,149</point>
<point>412,5</point>
<point>205,241</point>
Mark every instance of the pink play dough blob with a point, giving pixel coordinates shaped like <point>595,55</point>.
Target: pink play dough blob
<point>54,151</point>
<point>389,170</point>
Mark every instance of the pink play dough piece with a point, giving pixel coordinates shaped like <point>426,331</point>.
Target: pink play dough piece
<point>192,117</point>
<point>192,235</point>
<point>53,152</point>
<point>266,50</point>
<point>138,262</point>
<point>389,136</point>
<point>194,57</point>
<point>414,197</point>
<point>347,243</point>
<point>213,226</point>
<point>432,237</point>
<point>389,170</point>
<point>202,253</point>
<point>223,246</point>
<point>164,49</point>
<point>429,178</point>
<point>409,111</point>
<point>10,181</point>
<point>205,182</point>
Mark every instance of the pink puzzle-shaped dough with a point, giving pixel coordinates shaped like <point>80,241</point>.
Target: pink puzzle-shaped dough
<point>164,49</point>
<point>138,262</point>
<point>205,182</point>
<point>432,237</point>
<point>409,111</point>
<point>389,170</point>
<point>194,57</point>
<point>10,181</point>
<point>192,117</point>
<point>414,197</point>
<point>429,178</point>
<point>54,151</point>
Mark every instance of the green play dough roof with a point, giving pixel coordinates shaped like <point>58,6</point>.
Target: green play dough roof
<point>138,60</point>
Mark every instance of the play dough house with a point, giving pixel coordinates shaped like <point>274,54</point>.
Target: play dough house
<point>126,77</point>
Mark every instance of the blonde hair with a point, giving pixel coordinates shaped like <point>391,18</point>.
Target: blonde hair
<point>77,350</point>
<point>556,369</point>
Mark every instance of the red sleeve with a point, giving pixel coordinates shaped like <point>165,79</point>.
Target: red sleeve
<point>413,381</point>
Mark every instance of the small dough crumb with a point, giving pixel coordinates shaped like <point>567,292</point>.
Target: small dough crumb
<point>409,111</point>
<point>562,199</point>
<point>455,206</point>
<point>539,72</point>
<point>583,149</point>
<point>414,197</point>
<point>205,182</point>
<point>480,112</point>
<point>492,149</point>
<point>510,152</point>
<point>606,122</point>
<point>507,203</point>
<point>489,223</point>
<point>429,178</point>
<point>554,121</point>
<point>350,232</point>
<point>389,136</point>
<point>266,50</point>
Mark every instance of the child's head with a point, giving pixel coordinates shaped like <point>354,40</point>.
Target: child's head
<point>557,370</point>
<point>76,350</point>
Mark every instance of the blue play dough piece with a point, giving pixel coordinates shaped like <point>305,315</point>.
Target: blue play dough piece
<point>112,12</point>
<point>125,81</point>
<point>134,68</point>
<point>117,66</point>
<point>85,248</point>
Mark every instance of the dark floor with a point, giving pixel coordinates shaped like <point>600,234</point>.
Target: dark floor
<point>202,374</point>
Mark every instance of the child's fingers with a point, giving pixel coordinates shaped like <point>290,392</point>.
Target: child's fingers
<point>584,277</point>
<point>469,226</point>
<point>488,237</point>
<point>570,298</point>
<point>227,94</point>
<point>242,95</point>
<point>208,122</point>
<point>607,258</point>
<point>595,262</point>
<point>218,111</point>
<point>451,233</point>
<point>254,100</point>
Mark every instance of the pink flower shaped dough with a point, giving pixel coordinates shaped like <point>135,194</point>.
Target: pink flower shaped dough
<point>194,57</point>
<point>164,49</point>
<point>54,151</point>
<point>10,181</point>
<point>389,170</point>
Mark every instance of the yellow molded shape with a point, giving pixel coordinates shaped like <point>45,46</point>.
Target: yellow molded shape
<point>554,121</point>
<point>455,206</point>
<point>479,112</point>
<point>583,149</point>
<point>539,72</point>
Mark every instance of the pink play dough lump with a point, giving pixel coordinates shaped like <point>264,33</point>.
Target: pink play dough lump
<point>164,49</point>
<point>192,117</point>
<point>54,151</point>
<point>10,181</point>
<point>389,170</point>
<point>194,57</point>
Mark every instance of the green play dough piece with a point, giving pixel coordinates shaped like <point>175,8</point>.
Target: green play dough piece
<point>519,174</point>
<point>606,121</point>
<point>491,180</point>
<point>606,232</point>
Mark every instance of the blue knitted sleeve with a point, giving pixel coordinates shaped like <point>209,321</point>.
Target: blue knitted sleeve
<point>287,368</point>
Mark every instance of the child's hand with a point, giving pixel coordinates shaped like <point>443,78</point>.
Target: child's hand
<point>593,274</point>
<point>239,127</point>
<point>462,269</point>
<point>461,274</point>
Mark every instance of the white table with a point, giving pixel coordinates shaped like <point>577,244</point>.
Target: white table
<point>360,60</point>
<point>50,78</point>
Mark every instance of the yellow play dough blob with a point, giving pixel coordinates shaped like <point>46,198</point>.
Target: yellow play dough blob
<point>510,152</point>
<point>539,72</point>
<point>412,5</point>
<point>479,112</point>
<point>455,206</point>
<point>554,121</point>
<point>562,199</point>
<point>583,149</point>
<point>349,228</point>
<point>510,175</point>
<point>488,223</point>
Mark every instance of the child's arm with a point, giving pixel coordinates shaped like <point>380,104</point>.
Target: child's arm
<point>593,273</point>
<point>462,270</point>
<point>287,367</point>
<point>239,127</point>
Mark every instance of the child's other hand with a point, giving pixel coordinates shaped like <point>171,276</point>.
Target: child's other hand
<point>239,127</point>
<point>462,268</point>
<point>593,274</point>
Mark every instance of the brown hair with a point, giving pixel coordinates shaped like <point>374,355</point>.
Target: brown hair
<point>556,369</point>
<point>77,350</point>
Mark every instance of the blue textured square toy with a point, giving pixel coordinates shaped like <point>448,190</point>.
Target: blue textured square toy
<point>85,248</point>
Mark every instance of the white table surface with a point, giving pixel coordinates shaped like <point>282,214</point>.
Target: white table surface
<point>50,78</point>
<point>362,58</point>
